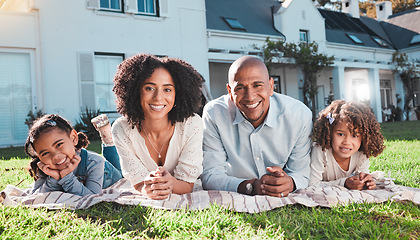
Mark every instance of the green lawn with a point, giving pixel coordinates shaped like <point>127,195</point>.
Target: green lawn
<point>387,220</point>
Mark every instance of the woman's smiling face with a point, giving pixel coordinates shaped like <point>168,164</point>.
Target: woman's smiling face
<point>157,94</point>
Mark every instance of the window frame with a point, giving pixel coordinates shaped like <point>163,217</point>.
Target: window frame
<point>306,33</point>
<point>234,23</point>
<point>96,83</point>
<point>155,7</point>
<point>109,9</point>
<point>355,39</point>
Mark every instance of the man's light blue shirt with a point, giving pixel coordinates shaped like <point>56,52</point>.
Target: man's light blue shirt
<point>235,151</point>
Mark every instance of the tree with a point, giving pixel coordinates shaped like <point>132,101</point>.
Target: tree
<point>408,73</point>
<point>306,56</point>
<point>368,7</point>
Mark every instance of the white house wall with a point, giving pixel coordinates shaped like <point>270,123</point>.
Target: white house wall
<point>68,27</point>
<point>295,15</point>
<point>56,31</point>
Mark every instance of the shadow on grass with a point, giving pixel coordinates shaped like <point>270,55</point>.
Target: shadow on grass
<point>385,219</point>
<point>401,130</point>
<point>12,152</point>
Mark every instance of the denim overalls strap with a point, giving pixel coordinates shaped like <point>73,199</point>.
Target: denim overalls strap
<point>81,168</point>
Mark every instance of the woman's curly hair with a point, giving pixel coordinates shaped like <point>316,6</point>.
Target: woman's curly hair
<point>46,124</point>
<point>134,71</point>
<point>357,116</point>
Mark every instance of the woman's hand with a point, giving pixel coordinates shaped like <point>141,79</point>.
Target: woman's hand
<point>70,166</point>
<point>50,172</point>
<point>159,184</point>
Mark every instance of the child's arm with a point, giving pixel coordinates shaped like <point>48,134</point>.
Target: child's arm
<point>46,184</point>
<point>94,178</point>
<point>317,165</point>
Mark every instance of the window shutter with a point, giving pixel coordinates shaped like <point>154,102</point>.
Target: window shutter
<point>131,6</point>
<point>86,79</point>
<point>164,8</point>
<point>92,4</point>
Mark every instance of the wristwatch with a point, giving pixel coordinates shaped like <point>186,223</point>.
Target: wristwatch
<point>249,188</point>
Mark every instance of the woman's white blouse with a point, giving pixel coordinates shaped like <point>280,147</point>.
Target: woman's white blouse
<point>184,158</point>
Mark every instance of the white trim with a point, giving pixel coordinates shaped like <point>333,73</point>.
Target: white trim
<point>148,17</point>
<point>111,14</point>
<point>359,48</point>
<point>238,35</point>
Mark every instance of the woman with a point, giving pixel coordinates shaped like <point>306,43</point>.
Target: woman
<point>159,137</point>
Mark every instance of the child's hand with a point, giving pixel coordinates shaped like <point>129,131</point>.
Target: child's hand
<point>368,180</point>
<point>70,166</point>
<point>158,185</point>
<point>354,183</point>
<point>50,172</point>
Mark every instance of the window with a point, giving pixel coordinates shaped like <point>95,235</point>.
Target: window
<point>111,5</point>
<point>277,84</point>
<point>386,93</point>
<point>105,68</point>
<point>415,39</point>
<point>416,89</point>
<point>380,42</point>
<point>303,36</point>
<point>16,96</point>
<point>354,39</point>
<point>147,7</point>
<point>234,23</point>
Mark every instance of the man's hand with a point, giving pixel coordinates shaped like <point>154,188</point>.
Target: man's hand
<point>276,183</point>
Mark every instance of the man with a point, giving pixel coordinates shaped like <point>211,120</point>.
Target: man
<point>256,142</point>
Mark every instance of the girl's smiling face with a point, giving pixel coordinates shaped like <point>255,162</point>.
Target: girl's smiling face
<point>56,148</point>
<point>344,144</point>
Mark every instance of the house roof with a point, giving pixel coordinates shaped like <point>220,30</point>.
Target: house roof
<point>254,15</point>
<point>402,27</point>
<point>341,28</point>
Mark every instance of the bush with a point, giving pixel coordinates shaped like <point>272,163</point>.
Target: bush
<point>85,125</point>
<point>29,121</point>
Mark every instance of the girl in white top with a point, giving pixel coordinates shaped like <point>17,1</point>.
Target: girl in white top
<point>159,138</point>
<point>345,135</point>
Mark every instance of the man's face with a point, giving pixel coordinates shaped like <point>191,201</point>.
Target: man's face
<point>250,89</point>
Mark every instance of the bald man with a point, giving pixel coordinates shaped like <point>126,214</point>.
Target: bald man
<point>256,141</point>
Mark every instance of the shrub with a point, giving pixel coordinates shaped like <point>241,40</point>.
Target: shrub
<point>85,125</point>
<point>29,121</point>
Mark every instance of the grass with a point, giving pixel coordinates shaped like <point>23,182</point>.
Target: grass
<point>389,220</point>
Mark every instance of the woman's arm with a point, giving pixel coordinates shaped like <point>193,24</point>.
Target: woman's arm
<point>132,166</point>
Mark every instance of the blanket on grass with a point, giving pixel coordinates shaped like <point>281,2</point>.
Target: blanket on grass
<point>123,193</point>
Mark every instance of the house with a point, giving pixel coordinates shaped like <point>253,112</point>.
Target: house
<point>60,56</point>
<point>362,47</point>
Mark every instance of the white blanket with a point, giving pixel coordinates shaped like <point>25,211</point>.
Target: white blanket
<point>122,193</point>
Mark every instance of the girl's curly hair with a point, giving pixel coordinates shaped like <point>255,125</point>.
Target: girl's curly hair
<point>43,125</point>
<point>357,116</point>
<point>134,71</point>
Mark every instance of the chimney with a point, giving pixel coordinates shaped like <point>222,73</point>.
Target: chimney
<point>383,10</point>
<point>351,7</point>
